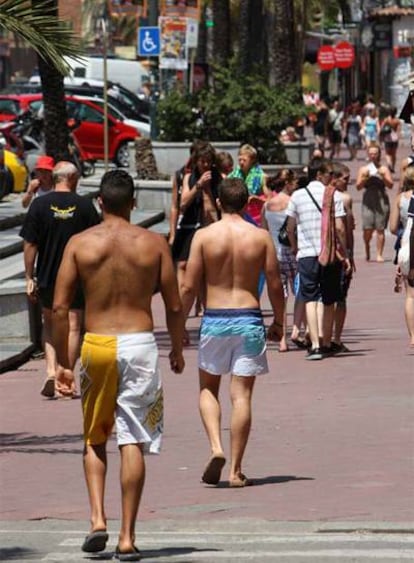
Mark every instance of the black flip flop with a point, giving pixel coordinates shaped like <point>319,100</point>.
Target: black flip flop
<point>95,541</point>
<point>127,556</point>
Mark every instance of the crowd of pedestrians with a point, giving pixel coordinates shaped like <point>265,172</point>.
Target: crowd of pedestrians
<point>233,230</point>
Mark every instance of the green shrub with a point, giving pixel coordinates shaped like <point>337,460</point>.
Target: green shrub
<point>236,108</point>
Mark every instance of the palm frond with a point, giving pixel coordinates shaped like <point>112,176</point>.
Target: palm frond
<point>50,37</point>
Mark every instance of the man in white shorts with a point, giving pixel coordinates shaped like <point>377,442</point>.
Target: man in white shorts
<point>120,266</point>
<point>229,256</point>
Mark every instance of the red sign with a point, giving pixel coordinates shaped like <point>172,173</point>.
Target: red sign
<point>326,57</point>
<point>344,54</point>
<point>402,51</point>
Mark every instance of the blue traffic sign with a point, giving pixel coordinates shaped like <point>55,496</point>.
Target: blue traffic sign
<point>149,41</point>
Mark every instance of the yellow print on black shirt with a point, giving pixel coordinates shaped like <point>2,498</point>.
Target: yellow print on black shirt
<point>63,214</point>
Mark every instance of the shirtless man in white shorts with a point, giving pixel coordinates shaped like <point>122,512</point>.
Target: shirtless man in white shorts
<point>229,256</point>
<point>120,266</point>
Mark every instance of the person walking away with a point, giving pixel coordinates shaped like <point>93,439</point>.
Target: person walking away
<point>392,126</point>
<point>49,224</point>
<point>228,257</point>
<point>374,179</point>
<point>340,179</point>
<point>120,266</point>
<point>398,223</point>
<point>42,183</point>
<point>273,218</point>
<point>317,282</point>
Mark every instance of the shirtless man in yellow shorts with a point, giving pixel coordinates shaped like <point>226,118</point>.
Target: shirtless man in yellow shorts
<point>228,257</point>
<point>120,266</point>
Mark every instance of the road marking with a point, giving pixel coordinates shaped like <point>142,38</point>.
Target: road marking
<point>336,554</point>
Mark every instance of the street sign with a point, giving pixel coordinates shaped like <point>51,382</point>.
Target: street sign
<point>192,33</point>
<point>326,57</point>
<point>149,42</point>
<point>344,54</point>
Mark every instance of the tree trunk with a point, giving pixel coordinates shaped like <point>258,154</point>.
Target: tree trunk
<point>55,116</point>
<point>282,54</point>
<point>251,35</point>
<point>221,31</point>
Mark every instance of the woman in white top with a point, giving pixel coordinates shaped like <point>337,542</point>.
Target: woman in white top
<point>398,221</point>
<point>273,217</point>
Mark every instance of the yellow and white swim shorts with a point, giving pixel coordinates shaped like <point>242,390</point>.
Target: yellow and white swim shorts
<point>121,383</point>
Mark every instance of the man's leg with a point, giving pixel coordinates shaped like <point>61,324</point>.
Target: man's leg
<point>132,484</point>
<point>328,319</point>
<point>367,233</point>
<point>380,245</point>
<point>312,320</point>
<point>409,311</point>
<point>241,389</point>
<point>94,464</point>
<point>210,410</point>
<point>50,354</point>
<point>340,316</point>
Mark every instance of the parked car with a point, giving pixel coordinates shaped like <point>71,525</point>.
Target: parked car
<point>12,105</point>
<point>90,132</point>
<point>18,170</point>
<point>142,127</point>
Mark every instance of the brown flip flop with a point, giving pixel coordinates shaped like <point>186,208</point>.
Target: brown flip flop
<point>212,472</point>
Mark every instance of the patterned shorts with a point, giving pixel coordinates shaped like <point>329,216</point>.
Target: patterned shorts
<point>233,341</point>
<point>121,383</point>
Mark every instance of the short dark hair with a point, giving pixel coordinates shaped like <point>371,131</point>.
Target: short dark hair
<point>316,165</point>
<point>233,195</point>
<point>339,169</point>
<point>116,191</point>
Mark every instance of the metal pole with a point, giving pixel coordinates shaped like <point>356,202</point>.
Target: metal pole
<point>153,12</point>
<point>105,90</point>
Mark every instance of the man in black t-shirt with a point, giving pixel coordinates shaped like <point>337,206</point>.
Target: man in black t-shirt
<point>48,226</point>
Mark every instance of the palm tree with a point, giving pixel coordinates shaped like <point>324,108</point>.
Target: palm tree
<point>281,36</point>
<point>221,31</point>
<point>38,25</point>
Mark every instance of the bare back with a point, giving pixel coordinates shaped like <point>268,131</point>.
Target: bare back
<point>234,252</point>
<point>119,265</point>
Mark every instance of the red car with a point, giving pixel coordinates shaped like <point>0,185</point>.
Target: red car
<point>90,133</point>
<point>11,105</point>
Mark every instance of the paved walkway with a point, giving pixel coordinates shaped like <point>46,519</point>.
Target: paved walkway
<point>332,441</point>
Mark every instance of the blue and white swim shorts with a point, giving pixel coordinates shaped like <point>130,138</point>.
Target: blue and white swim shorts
<point>233,341</point>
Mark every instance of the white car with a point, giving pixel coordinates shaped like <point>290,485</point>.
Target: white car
<point>142,127</point>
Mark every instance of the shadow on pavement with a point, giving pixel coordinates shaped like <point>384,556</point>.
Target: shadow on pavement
<point>269,480</point>
<point>21,442</point>
<point>154,553</point>
<point>16,553</point>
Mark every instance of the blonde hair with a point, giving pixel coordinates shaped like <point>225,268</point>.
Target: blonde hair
<point>408,180</point>
<point>248,149</point>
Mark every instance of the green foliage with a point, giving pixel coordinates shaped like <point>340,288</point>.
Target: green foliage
<point>38,26</point>
<point>237,108</point>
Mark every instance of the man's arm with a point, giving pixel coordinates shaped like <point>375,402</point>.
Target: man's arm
<point>194,273</point>
<point>349,227</point>
<point>362,178</point>
<point>274,289</point>
<point>173,308</point>
<point>291,232</point>
<point>30,252</point>
<point>386,176</point>
<point>340,227</point>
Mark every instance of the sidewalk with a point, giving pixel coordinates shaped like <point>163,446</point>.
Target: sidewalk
<point>331,440</point>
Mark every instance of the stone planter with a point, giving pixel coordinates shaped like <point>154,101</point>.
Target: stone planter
<point>299,152</point>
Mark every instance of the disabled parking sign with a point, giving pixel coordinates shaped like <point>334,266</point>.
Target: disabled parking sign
<point>149,44</point>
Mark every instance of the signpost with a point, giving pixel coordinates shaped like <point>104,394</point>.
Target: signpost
<point>326,57</point>
<point>344,54</point>
<point>149,41</point>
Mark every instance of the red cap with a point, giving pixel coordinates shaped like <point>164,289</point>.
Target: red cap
<point>45,163</point>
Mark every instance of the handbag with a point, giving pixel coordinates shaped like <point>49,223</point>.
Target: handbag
<point>403,259</point>
<point>283,237</point>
